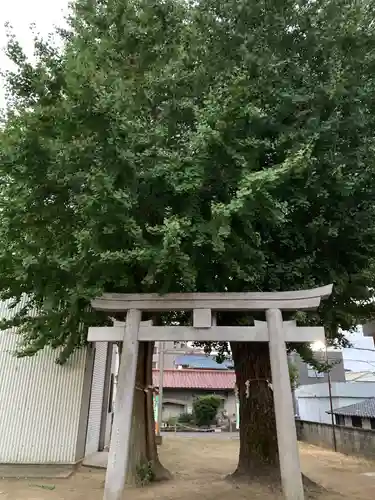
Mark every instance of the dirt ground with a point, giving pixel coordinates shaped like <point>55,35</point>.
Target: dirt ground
<point>199,466</point>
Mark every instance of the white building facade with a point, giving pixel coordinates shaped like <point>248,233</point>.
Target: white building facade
<point>52,414</point>
<point>313,401</point>
<point>43,406</point>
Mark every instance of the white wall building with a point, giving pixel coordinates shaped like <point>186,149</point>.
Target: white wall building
<point>48,413</point>
<point>43,406</point>
<point>313,401</point>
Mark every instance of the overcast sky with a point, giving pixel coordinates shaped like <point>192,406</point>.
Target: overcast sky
<point>20,14</point>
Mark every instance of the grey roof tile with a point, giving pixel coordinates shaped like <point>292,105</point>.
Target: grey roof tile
<point>364,409</point>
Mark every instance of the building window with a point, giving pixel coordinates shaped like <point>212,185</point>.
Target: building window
<point>372,423</point>
<point>356,422</point>
<point>340,419</point>
<point>154,365</point>
<point>313,373</point>
<point>179,345</point>
<point>155,349</point>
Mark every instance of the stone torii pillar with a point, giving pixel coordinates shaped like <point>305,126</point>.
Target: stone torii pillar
<point>290,467</point>
<point>274,331</point>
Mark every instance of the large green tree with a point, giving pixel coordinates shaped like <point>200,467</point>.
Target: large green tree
<point>219,145</point>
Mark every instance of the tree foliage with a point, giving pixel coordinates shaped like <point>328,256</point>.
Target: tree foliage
<point>205,409</point>
<point>293,375</point>
<point>174,146</point>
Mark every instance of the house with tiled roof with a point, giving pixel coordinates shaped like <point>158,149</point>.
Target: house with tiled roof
<point>360,415</point>
<point>181,387</point>
<point>180,355</point>
<point>189,373</point>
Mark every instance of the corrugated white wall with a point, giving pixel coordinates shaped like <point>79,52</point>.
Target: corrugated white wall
<point>40,404</point>
<point>96,400</point>
<point>114,371</point>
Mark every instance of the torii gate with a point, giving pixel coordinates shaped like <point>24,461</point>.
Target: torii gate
<point>274,331</point>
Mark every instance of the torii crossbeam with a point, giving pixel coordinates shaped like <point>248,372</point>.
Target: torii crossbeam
<point>274,331</point>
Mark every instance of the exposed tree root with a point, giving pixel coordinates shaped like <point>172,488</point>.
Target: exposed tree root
<point>269,477</point>
<point>160,472</point>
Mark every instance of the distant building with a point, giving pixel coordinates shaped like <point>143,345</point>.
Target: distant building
<point>171,351</point>
<point>360,415</point>
<point>181,387</point>
<point>308,375</point>
<point>369,330</point>
<point>179,355</point>
<point>313,400</point>
<point>51,414</point>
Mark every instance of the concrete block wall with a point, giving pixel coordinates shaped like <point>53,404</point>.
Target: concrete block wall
<point>350,440</point>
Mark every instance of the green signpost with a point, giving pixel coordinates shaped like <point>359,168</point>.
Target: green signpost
<point>156,405</point>
<point>237,414</point>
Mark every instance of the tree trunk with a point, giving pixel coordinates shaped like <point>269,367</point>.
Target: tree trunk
<point>144,465</point>
<point>258,457</point>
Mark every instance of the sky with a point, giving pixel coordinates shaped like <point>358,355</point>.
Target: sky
<point>45,14</point>
<point>361,356</point>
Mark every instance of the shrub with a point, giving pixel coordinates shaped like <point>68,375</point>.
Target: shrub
<point>172,421</point>
<point>145,473</point>
<point>186,418</point>
<point>205,410</point>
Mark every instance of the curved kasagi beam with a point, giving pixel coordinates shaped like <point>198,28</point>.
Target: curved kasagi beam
<point>247,301</point>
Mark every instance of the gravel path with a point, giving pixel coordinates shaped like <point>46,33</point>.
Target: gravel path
<point>199,464</point>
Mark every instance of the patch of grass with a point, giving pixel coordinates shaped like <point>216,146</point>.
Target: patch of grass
<point>145,473</point>
<point>50,487</point>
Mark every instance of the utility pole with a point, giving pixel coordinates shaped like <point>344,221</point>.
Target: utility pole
<point>161,380</point>
<point>330,402</point>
